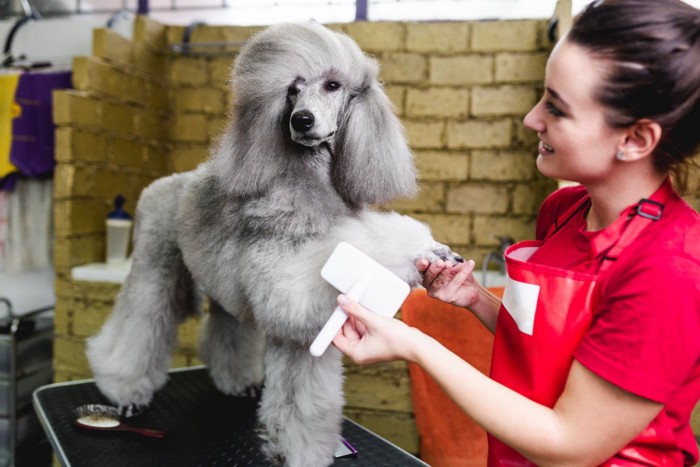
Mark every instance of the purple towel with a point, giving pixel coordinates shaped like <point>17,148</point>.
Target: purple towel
<point>32,150</point>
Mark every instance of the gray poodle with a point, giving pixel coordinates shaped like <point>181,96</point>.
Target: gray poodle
<point>312,141</point>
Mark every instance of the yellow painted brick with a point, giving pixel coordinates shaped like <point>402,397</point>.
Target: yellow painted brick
<point>487,228</point>
<point>525,137</point>
<point>150,32</point>
<point>118,117</point>
<point>520,67</point>
<point>62,317</point>
<point>479,134</point>
<point>241,34</point>
<point>377,36</point>
<point>201,99</point>
<point>511,165</point>
<point>430,198</point>
<point>74,251</point>
<point>156,158</point>
<point>71,180</point>
<point>72,145</point>
<point>217,125</point>
<point>396,95</point>
<point>89,316</point>
<point>88,290</point>
<point>425,134</point>
<point>63,186</point>
<point>79,216</point>
<point>502,100</point>
<point>695,420</point>
<point>183,159</point>
<point>190,71</point>
<point>444,166</point>
<point>437,102</point>
<point>149,124</point>
<point>155,94</point>
<point>478,198</point>
<point>448,229</point>
<point>133,89</point>
<point>72,107</point>
<point>191,128</point>
<point>111,46</point>
<point>384,386</point>
<point>441,37</point>
<point>95,75</point>
<point>69,355</point>
<point>125,152</point>
<point>462,70</point>
<point>527,200</point>
<point>505,35</point>
<point>147,61</point>
<point>108,183</point>
<point>188,333</point>
<point>220,70</point>
<point>404,68</point>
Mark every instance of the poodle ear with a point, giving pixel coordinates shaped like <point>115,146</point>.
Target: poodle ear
<point>247,158</point>
<point>372,163</point>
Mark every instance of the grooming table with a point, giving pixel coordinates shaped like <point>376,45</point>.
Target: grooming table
<point>203,428</point>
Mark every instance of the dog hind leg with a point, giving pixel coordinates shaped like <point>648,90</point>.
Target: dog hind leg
<point>301,406</point>
<point>232,349</point>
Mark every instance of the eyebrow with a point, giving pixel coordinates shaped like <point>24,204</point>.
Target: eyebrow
<point>557,96</point>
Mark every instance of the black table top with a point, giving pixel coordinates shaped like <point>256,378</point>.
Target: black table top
<point>203,428</point>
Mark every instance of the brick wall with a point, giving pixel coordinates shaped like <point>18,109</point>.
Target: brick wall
<point>140,111</point>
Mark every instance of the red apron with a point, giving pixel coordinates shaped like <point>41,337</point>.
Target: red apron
<point>544,314</point>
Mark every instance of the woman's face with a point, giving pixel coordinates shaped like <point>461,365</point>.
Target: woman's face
<point>576,143</point>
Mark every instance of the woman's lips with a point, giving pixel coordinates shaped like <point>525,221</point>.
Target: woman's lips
<point>545,148</point>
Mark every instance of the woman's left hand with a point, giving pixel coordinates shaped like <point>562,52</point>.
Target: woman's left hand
<point>370,338</point>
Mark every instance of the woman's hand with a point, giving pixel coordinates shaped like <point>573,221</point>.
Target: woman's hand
<point>451,284</point>
<point>370,338</point>
<point>456,285</point>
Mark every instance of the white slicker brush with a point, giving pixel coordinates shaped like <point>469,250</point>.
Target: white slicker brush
<point>362,279</point>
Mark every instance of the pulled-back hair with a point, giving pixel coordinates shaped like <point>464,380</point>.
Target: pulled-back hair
<point>653,51</point>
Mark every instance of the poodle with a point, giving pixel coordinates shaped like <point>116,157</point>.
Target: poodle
<point>312,142</point>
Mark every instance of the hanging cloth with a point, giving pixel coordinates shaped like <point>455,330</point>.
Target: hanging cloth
<point>32,149</point>
<point>8,111</point>
<point>545,313</point>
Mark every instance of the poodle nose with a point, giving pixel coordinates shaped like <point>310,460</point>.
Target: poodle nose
<point>303,120</point>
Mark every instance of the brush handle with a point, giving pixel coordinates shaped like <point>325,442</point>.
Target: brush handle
<point>143,431</point>
<point>338,318</point>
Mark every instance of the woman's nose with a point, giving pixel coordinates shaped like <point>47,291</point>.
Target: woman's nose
<point>533,119</point>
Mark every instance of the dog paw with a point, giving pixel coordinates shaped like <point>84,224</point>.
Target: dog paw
<point>439,251</point>
<point>254,392</point>
<point>131,410</point>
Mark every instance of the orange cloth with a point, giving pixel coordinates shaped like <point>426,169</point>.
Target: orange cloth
<point>448,437</point>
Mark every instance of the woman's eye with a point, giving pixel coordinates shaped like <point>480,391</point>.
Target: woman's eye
<point>332,86</point>
<point>553,110</point>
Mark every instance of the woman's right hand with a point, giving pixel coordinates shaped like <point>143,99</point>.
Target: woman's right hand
<point>452,284</point>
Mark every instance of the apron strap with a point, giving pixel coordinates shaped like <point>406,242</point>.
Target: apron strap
<point>639,216</point>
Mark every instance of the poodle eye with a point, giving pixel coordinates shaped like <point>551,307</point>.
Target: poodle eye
<point>332,86</point>
<point>292,90</point>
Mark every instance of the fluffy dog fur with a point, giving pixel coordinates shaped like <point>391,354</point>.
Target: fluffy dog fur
<point>312,141</point>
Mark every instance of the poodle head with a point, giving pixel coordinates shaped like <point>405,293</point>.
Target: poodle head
<point>297,86</point>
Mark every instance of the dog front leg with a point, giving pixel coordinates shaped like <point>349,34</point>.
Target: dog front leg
<point>232,349</point>
<point>302,403</point>
<point>131,354</point>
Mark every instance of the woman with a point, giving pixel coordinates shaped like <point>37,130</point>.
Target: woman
<point>597,340</point>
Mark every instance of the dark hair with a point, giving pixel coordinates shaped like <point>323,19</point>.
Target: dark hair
<point>653,48</point>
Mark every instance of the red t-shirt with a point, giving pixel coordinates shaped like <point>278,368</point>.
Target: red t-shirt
<point>645,334</point>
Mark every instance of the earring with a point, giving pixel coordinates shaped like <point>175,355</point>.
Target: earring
<point>620,156</point>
